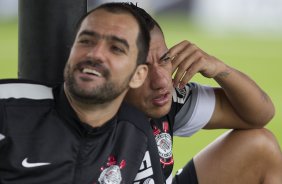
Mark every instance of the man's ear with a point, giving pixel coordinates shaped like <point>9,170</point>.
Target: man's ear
<point>139,76</point>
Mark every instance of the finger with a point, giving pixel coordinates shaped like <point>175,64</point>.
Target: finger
<point>191,72</point>
<point>184,67</point>
<point>178,75</point>
<point>180,58</point>
<point>190,57</point>
<point>176,50</point>
<point>178,47</point>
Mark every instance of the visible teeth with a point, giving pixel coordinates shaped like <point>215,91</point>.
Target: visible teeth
<point>94,72</point>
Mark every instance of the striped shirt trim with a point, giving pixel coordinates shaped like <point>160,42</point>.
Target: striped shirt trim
<point>30,91</point>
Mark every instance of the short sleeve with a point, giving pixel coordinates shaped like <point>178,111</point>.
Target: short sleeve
<point>196,111</point>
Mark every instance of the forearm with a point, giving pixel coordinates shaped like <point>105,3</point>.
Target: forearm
<point>239,104</point>
<point>249,101</point>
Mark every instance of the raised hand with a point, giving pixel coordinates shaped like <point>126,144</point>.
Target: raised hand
<point>188,59</point>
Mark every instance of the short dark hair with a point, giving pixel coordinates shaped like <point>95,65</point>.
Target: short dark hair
<point>143,38</point>
<point>148,19</point>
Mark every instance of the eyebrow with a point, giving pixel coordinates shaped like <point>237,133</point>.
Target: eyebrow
<point>107,37</point>
<point>164,56</point>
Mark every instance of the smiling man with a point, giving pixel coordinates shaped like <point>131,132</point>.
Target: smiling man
<point>80,131</point>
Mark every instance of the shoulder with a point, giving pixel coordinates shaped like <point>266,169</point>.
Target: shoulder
<point>17,88</point>
<point>132,115</point>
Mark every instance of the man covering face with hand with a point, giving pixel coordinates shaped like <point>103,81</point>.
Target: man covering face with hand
<point>189,107</point>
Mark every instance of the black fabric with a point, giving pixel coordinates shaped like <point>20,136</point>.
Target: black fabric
<point>187,175</point>
<point>164,135</point>
<point>139,123</point>
<point>49,131</point>
<point>164,127</point>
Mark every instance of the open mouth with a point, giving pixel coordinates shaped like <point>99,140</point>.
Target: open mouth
<point>91,72</point>
<point>161,99</point>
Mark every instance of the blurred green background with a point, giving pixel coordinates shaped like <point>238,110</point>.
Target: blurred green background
<point>258,56</point>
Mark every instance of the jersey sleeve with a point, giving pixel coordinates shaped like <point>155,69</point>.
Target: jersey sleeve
<point>11,89</point>
<point>196,111</point>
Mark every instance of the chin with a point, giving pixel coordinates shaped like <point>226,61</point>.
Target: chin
<point>158,113</point>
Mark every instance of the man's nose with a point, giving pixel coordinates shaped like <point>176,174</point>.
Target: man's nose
<point>158,78</point>
<point>98,51</point>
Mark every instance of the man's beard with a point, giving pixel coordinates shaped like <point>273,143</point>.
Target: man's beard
<point>97,95</point>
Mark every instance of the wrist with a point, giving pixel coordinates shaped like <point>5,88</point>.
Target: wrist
<point>224,72</point>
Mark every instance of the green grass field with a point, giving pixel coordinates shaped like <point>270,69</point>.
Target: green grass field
<point>8,49</point>
<point>260,58</point>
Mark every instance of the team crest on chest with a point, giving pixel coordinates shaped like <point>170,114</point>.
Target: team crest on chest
<point>112,173</point>
<point>164,143</point>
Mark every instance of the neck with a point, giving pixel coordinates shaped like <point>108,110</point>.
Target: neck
<point>95,115</point>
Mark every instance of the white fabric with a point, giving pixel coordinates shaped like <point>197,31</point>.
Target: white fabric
<point>169,179</point>
<point>202,113</point>
<point>2,137</point>
<point>22,90</point>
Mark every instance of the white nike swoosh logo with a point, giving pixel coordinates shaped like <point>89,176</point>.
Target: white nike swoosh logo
<point>30,165</point>
<point>2,137</point>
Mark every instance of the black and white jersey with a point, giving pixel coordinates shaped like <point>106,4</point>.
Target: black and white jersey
<point>191,110</point>
<point>43,141</point>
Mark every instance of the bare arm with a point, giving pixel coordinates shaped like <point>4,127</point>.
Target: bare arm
<point>240,102</point>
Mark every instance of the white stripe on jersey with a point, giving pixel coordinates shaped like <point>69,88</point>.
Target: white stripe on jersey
<point>169,179</point>
<point>186,123</point>
<point>24,90</point>
<point>145,170</point>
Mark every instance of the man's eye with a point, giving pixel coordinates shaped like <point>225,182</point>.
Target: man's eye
<point>85,41</point>
<point>117,50</point>
<point>165,60</point>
